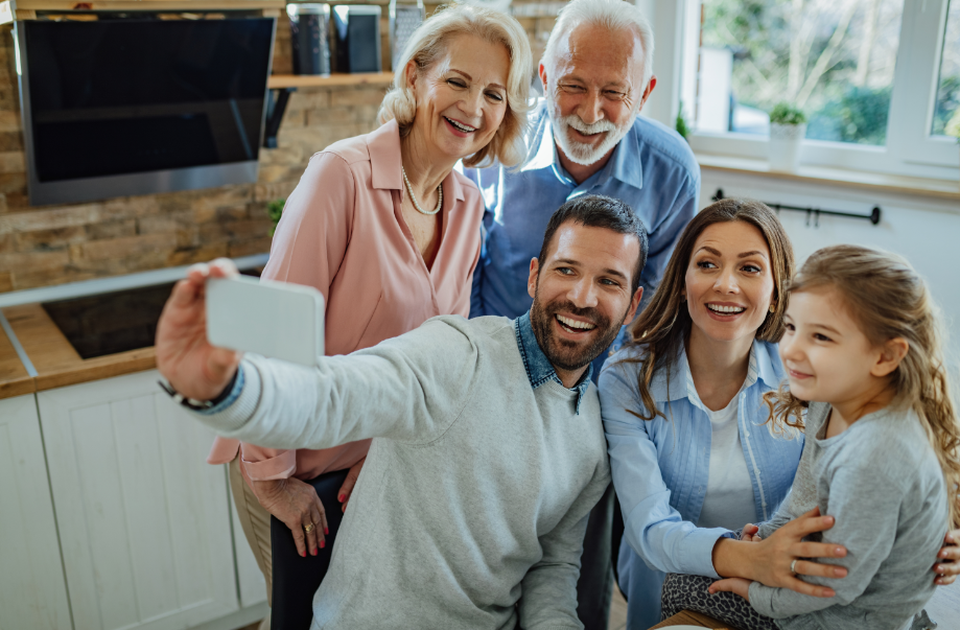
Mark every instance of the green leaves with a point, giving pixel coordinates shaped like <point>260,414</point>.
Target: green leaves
<point>274,210</point>
<point>786,114</point>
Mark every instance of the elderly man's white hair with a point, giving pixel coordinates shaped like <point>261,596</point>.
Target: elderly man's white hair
<point>615,15</point>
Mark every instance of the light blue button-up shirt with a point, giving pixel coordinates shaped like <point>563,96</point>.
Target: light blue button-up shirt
<point>652,169</point>
<point>661,467</point>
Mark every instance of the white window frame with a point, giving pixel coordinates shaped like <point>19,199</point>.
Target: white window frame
<point>910,149</point>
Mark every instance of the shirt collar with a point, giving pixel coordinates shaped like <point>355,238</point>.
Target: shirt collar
<point>538,367</point>
<point>680,384</point>
<point>383,147</point>
<point>624,164</point>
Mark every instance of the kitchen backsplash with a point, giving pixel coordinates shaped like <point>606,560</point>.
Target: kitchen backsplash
<point>49,245</point>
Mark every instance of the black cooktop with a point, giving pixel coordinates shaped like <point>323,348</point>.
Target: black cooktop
<point>107,323</point>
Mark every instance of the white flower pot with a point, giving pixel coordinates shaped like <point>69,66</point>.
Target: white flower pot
<point>784,146</point>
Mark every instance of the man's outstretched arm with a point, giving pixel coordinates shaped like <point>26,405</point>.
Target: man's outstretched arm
<point>404,388</point>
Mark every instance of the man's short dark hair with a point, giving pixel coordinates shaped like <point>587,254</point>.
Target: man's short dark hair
<point>603,212</point>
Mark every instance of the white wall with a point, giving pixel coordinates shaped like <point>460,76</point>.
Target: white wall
<point>924,230</point>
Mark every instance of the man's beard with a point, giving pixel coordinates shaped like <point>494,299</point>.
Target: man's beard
<point>586,154</point>
<point>563,353</point>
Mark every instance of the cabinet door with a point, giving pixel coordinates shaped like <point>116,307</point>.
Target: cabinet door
<point>32,590</point>
<point>143,519</point>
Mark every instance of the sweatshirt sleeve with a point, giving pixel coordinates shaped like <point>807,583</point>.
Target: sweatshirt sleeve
<point>549,589</point>
<point>866,523</point>
<point>782,516</point>
<point>409,388</point>
<point>653,527</point>
<point>307,249</point>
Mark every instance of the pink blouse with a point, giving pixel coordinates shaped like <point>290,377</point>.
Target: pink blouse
<point>342,232</point>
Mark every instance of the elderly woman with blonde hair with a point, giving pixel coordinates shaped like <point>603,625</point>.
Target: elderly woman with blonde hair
<point>390,234</point>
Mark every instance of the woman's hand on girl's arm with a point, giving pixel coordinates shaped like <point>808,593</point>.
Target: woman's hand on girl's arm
<point>739,586</point>
<point>779,560</point>
<point>947,566</point>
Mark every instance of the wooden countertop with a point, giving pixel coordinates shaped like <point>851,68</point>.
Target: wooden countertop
<point>56,362</point>
<point>14,379</point>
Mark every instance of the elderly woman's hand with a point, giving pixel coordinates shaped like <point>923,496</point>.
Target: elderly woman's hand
<point>296,504</point>
<point>194,368</point>
<point>947,566</point>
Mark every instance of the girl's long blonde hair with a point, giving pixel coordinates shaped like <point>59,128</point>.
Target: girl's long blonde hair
<point>887,297</point>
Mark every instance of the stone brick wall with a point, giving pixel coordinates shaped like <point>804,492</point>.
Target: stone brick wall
<point>49,245</point>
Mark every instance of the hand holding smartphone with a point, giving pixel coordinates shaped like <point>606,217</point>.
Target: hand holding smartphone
<point>275,319</point>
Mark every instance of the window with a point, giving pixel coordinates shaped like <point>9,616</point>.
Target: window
<point>879,80</point>
<point>946,116</point>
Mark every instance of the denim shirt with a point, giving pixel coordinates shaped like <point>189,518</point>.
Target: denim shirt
<point>535,362</point>
<point>652,169</point>
<point>660,467</point>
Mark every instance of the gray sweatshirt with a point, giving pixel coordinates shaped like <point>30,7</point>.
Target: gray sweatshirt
<point>477,487</point>
<point>881,480</point>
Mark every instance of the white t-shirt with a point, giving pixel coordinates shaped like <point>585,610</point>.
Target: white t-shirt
<point>729,500</point>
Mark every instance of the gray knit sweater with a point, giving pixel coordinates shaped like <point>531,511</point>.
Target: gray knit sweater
<point>881,480</point>
<point>477,487</point>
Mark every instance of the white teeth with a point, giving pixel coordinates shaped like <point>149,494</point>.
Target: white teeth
<point>726,309</point>
<point>572,323</point>
<point>461,126</point>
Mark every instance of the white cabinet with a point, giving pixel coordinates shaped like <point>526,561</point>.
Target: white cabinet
<point>144,521</point>
<point>32,590</point>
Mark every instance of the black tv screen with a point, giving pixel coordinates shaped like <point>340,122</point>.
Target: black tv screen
<point>123,107</point>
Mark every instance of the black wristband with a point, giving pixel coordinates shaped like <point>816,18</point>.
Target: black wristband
<point>200,405</point>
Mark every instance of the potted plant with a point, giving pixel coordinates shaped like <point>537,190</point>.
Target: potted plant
<point>788,126</point>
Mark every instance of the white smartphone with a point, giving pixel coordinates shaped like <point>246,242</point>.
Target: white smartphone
<point>275,319</point>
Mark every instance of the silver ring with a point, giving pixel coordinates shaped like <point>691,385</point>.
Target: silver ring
<point>793,566</point>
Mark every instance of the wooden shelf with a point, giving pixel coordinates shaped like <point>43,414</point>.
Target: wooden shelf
<point>11,10</point>
<point>334,80</point>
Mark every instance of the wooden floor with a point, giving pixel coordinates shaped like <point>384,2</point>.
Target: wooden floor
<point>944,609</point>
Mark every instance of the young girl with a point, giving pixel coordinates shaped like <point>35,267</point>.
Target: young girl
<point>862,354</point>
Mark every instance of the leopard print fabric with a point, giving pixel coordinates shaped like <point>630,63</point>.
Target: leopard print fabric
<point>689,592</point>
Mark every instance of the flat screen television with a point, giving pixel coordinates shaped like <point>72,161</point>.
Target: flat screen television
<point>118,107</point>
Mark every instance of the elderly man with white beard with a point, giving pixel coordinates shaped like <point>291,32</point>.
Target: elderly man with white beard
<point>585,137</point>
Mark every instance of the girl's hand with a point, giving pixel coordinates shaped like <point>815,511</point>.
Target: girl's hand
<point>739,586</point>
<point>948,559</point>
<point>749,533</point>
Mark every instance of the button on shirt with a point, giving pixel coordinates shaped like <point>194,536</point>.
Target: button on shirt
<point>652,169</point>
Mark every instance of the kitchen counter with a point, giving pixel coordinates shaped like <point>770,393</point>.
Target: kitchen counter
<point>14,378</point>
<point>56,362</point>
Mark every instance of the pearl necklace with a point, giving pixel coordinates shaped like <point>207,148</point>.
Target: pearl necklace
<point>413,197</point>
